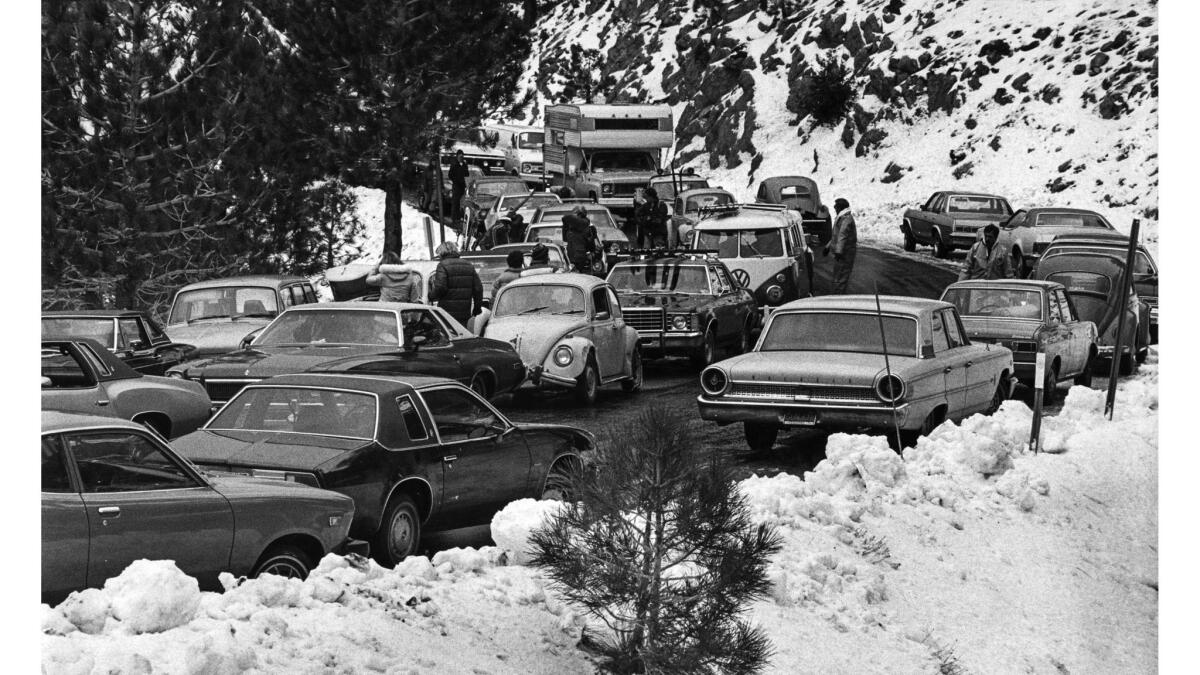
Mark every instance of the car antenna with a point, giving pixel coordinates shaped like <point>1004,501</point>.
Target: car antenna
<point>887,364</point>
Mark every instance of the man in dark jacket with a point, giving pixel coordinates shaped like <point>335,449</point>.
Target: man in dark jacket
<point>986,260</point>
<point>843,245</point>
<point>651,216</point>
<point>458,184</point>
<point>580,239</point>
<point>455,286</point>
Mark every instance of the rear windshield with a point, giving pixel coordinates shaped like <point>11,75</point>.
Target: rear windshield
<point>1083,282</point>
<point>1069,220</point>
<point>840,332</point>
<point>597,217</point>
<point>664,277</point>
<point>495,189</point>
<point>99,329</point>
<point>742,243</point>
<point>1000,302</point>
<point>218,303</point>
<point>990,206</point>
<point>329,327</point>
<point>300,410</point>
<point>715,199</point>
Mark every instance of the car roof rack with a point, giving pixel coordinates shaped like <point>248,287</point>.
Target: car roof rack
<point>730,209</point>
<point>682,253</point>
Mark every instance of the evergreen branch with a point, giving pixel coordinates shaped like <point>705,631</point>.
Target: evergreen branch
<point>179,84</point>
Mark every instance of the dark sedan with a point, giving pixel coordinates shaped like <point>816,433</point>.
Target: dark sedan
<point>389,338</point>
<point>417,453</point>
<point>134,337</point>
<point>113,493</point>
<point>81,376</point>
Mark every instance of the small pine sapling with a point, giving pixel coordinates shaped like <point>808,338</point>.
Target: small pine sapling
<point>660,548</point>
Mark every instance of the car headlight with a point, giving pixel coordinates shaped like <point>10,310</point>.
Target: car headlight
<point>780,278</point>
<point>889,388</point>
<point>774,294</point>
<point>177,374</point>
<point>614,247</point>
<point>606,189</point>
<point>563,356</point>
<point>681,322</point>
<point>525,169</point>
<point>714,381</point>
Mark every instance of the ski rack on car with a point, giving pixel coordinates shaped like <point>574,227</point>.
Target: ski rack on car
<point>729,209</point>
<point>681,253</point>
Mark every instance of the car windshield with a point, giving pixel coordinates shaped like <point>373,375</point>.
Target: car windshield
<point>989,206</point>
<point>742,243</point>
<point>1083,282</point>
<point>501,188</point>
<point>715,199</point>
<point>336,326</point>
<point>663,277</point>
<point>531,140</point>
<point>840,332</point>
<point>666,189</point>
<point>621,160</point>
<point>300,410</point>
<point>597,217</point>
<point>225,302</point>
<point>1000,302</point>
<point>540,299</point>
<point>99,329</point>
<point>1070,220</point>
<point>525,202</point>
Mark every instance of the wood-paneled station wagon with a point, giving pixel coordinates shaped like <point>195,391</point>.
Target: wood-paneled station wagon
<point>820,363</point>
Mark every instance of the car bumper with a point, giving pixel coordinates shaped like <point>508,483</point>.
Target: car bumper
<point>534,178</point>
<point>357,546</point>
<point>540,378</point>
<point>1106,351</point>
<point>657,341</point>
<point>829,416</point>
<point>963,239</point>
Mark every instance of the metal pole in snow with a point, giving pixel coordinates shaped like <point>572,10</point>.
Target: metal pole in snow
<point>887,364</point>
<point>1039,382</point>
<point>1126,283</point>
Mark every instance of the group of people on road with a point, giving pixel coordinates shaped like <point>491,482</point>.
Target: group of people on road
<point>455,286</point>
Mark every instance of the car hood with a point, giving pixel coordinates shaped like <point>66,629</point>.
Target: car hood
<point>533,335</point>
<point>216,336</point>
<point>1000,327</point>
<point>672,302</point>
<point>270,361</point>
<point>835,368</point>
<point>225,449</point>
<point>247,488</point>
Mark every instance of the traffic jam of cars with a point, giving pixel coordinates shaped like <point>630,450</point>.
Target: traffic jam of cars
<point>266,421</point>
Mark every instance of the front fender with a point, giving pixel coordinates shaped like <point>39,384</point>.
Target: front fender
<point>581,348</point>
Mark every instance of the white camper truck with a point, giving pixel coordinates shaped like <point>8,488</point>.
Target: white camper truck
<point>522,148</point>
<point>605,152</point>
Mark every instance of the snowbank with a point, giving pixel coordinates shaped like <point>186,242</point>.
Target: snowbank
<point>964,551</point>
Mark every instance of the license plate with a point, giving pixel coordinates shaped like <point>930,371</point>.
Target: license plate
<point>807,419</point>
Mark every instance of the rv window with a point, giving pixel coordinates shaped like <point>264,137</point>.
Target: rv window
<point>627,124</point>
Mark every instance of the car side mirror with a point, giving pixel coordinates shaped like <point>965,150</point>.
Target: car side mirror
<point>415,343</point>
<point>247,339</point>
<point>601,316</point>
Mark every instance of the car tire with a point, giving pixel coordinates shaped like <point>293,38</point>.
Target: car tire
<point>744,345</point>
<point>932,421</point>
<point>1050,387</point>
<point>705,354</point>
<point>637,376</point>
<point>587,385</point>
<point>1127,365</point>
<point>940,248</point>
<point>998,397</point>
<point>1084,379</point>
<point>1142,355</point>
<point>399,532</point>
<point>910,242</point>
<point>1018,265</point>
<point>759,436</point>
<point>284,560</point>
<point>479,385</point>
<point>560,480</point>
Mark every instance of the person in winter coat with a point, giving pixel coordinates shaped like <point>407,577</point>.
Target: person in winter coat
<point>458,184</point>
<point>843,244</point>
<point>516,228</point>
<point>516,265</point>
<point>651,216</point>
<point>394,286</point>
<point>455,286</point>
<point>580,238</point>
<point>539,262</point>
<point>986,260</point>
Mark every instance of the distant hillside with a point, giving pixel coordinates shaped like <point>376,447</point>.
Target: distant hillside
<point>1048,102</point>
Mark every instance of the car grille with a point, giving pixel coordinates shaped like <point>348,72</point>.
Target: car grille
<point>223,390</point>
<point>625,189</point>
<point>791,391</point>
<point>645,319</point>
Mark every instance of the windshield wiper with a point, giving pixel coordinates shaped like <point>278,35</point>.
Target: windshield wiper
<point>532,309</point>
<point>265,315</point>
<point>569,311</point>
<point>210,316</point>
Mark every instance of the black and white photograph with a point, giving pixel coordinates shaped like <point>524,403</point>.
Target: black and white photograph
<point>604,336</point>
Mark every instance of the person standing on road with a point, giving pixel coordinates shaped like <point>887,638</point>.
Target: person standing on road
<point>458,184</point>
<point>843,244</point>
<point>395,285</point>
<point>516,264</point>
<point>455,286</point>
<point>580,239</point>
<point>986,260</point>
<point>651,217</point>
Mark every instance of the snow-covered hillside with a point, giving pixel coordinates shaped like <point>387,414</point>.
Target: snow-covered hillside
<point>1048,102</point>
<point>965,554</point>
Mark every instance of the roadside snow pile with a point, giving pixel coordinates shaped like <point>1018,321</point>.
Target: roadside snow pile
<point>512,525</point>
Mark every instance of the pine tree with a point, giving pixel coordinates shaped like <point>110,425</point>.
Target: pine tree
<point>659,547</point>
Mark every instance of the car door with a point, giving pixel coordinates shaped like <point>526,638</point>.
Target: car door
<point>953,366</point>
<point>141,502</point>
<point>64,524</point>
<point>72,383</point>
<point>607,334</point>
<point>1083,333</point>
<point>435,353</point>
<point>135,348</point>
<point>978,373</point>
<point>1057,338</point>
<point>485,460</point>
<point>921,219</point>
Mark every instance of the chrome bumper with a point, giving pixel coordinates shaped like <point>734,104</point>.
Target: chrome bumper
<point>357,546</point>
<point>654,340</point>
<point>822,415</point>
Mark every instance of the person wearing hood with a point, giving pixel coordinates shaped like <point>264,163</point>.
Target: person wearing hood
<point>516,265</point>
<point>539,262</point>
<point>396,284</point>
<point>580,239</point>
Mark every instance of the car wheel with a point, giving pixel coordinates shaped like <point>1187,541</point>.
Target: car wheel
<point>997,397</point>
<point>1050,387</point>
<point>560,480</point>
<point>283,560</point>
<point>636,377</point>
<point>479,385</point>
<point>932,421</point>
<point>940,248</point>
<point>587,385</point>
<point>1018,265</point>
<point>399,532</point>
<point>704,355</point>
<point>759,436</point>
<point>910,242</point>
<point>743,344</point>
<point>1084,379</point>
<point>1142,355</point>
<point>1127,366</point>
